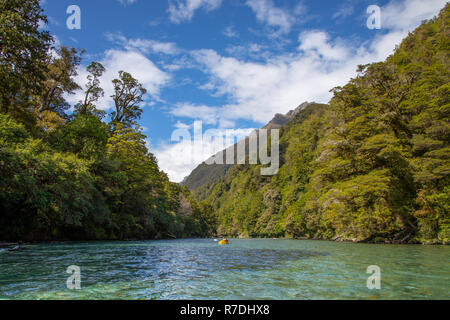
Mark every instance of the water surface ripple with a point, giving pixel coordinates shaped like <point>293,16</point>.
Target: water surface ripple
<point>245,269</point>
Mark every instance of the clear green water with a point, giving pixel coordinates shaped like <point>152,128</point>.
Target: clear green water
<point>245,269</point>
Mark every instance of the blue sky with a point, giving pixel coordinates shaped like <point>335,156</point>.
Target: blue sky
<point>232,64</point>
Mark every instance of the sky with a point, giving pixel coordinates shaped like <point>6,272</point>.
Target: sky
<point>231,64</point>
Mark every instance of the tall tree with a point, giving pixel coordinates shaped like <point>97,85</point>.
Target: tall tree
<point>93,91</point>
<point>128,94</point>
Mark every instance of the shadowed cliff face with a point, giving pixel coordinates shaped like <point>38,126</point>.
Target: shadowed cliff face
<point>205,173</point>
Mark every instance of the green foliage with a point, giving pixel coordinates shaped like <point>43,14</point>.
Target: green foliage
<point>69,176</point>
<point>44,194</point>
<point>11,133</point>
<point>24,53</point>
<point>80,182</point>
<point>85,136</point>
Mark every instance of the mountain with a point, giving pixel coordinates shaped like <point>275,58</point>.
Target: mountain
<point>205,174</point>
<point>372,166</point>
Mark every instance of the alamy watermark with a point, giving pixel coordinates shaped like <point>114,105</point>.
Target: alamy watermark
<point>374,20</point>
<point>224,147</point>
<point>73,22</point>
<point>374,281</point>
<point>74,281</point>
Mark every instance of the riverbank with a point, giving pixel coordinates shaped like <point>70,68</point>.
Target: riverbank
<point>340,238</point>
<point>6,244</point>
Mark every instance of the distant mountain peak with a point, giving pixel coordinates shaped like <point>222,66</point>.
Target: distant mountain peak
<point>280,120</point>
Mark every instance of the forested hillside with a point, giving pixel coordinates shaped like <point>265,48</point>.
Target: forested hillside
<point>72,172</point>
<point>372,166</point>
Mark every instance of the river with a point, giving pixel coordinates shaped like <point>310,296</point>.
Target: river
<point>244,269</point>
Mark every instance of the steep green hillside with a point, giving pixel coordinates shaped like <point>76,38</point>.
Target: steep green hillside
<point>373,166</point>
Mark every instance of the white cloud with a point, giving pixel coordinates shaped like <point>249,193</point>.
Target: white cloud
<point>319,42</point>
<point>345,11</point>
<point>181,62</point>
<point>139,66</point>
<point>207,114</point>
<point>143,45</point>
<point>181,125</point>
<point>408,14</point>
<point>172,158</point>
<point>183,10</point>
<point>129,57</point>
<point>146,46</point>
<point>230,32</point>
<point>259,90</point>
<point>252,50</point>
<point>127,2</point>
<point>266,12</point>
<point>180,158</point>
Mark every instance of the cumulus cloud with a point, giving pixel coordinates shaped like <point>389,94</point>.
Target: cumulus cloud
<point>266,12</point>
<point>183,10</point>
<point>259,90</point>
<point>179,158</point>
<point>143,69</point>
<point>319,42</point>
<point>408,14</point>
<point>207,114</point>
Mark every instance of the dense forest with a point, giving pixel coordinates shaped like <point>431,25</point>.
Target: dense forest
<point>74,172</point>
<point>373,165</point>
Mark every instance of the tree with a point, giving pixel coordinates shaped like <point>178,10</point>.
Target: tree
<point>23,55</point>
<point>59,80</point>
<point>85,135</point>
<point>128,94</point>
<point>93,91</point>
